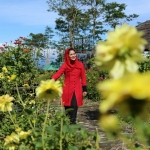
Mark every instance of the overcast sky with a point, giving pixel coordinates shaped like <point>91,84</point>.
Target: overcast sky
<point>22,17</point>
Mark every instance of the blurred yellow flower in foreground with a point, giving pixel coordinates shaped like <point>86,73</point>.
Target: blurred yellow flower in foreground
<point>109,122</point>
<point>5,103</point>
<point>121,51</point>
<point>4,69</point>
<point>49,89</point>
<point>130,94</point>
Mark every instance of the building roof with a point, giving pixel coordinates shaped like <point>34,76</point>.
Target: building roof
<point>53,66</point>
<point>145,27</point>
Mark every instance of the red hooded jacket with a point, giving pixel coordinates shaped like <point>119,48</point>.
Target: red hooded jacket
<point>74,79</point>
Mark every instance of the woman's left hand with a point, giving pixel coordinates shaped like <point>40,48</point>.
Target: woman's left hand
<point>84,93</point>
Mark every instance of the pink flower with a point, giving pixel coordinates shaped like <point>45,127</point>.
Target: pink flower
<point>101,78</point>
<point>26,51</point>
<point>107,77</point>
<point>1,48</point>
<point>24,38</point>
<point>17,42</point>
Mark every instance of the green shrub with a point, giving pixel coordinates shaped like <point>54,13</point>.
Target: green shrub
<point>94,76</point>
<point>145,66</point>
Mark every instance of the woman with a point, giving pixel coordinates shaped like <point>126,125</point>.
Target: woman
<point>74,83</point>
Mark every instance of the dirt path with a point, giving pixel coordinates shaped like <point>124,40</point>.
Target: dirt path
<point>88,118</point>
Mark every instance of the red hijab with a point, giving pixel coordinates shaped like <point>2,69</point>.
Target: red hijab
<point>74,64</point>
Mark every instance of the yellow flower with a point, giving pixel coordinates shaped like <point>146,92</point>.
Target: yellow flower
<point>5,103</point>
<point>34,121</point>
<point>4,69</point>
<point>121,52</point>
<point>12,138</point>
<point>131,93</point>
<point>32,102</point>
<point>31,94</point>
<point>18,130</point>
<point>8,77</point>
<point>13,77</point>
<point>49,89</point>
<point>2,76</point>
<point>23,135</point>
<point>16,137</point>
<point>26,85</point>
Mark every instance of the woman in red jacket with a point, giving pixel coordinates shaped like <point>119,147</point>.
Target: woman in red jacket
<point>74,83</point>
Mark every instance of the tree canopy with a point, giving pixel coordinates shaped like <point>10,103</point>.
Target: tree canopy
<point>81,18</point>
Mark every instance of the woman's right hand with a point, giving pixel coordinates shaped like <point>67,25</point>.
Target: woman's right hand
<point>84,93</point>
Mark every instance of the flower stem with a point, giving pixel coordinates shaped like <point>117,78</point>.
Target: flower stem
<point>19,96</point>
<point>31,125</point>
<point>11,119</point>
<point>44,125</point>
<point>97,140</point>
<point>60,141</point>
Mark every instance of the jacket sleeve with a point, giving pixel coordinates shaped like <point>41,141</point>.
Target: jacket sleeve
<point>83,75</point>
<point>84,89</point>
<point>59,72</point>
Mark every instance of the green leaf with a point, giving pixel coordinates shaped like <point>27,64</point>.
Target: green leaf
<point>65,128</point>
<point>50,129</point>
<point>28,111</point>
<point>75,126</point>
<point>39,145</point>
<point>70,147</point>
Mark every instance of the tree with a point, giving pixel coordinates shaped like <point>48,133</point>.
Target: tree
<point>69,10</point>
<point>114,14</point>
<point>49,35</point>
<point>37,40</point>
<point>95,12</point>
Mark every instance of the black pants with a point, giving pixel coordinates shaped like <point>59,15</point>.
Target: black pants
<point>71,111</point>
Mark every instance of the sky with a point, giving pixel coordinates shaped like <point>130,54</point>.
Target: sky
<point>22,17</point>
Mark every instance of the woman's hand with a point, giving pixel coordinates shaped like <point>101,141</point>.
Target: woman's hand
<point>84,93</point>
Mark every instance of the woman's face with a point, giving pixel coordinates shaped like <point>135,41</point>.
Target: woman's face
<point>72,55</point>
